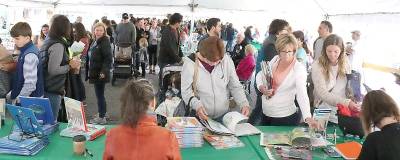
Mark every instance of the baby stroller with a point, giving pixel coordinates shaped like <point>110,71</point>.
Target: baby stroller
<point>170,99</point>
<point>167,72</point>
<point>123,68</point>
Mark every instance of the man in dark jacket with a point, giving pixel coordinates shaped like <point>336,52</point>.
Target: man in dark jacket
<point>170,52</point>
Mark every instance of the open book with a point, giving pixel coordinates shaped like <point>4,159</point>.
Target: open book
<point>234,123</point>
<point>297,138</point>
<point>77,122</point>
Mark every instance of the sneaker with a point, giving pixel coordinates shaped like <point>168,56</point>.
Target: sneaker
<point>98,120</point>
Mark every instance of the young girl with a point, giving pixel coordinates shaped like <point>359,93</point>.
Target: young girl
<point>380,110</point>
<point>329,77</point>
<point>302,50</point>
<point>143,55</point>
<point>246,66</point>
<point>139,136</point>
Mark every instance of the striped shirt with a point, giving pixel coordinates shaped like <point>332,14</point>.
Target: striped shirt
<point>30,74</point>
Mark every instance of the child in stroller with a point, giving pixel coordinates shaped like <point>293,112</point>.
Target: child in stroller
<point>172,104</point>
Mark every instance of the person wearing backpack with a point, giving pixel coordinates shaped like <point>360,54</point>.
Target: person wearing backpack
<point>56,63</point>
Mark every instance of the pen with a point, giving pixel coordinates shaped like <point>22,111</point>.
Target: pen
<point>88,152</point>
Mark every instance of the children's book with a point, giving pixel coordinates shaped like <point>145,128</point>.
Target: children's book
<point>233,123</point>
<point>222,141</point>
<point>40,106</point>
<point>287,152</point>
<point>18,144</point>
<point>349,150</point>
<point>77,122</point>
<point>181,124</point>
<point>188,131</point>
<point>296,138</point>
<point>25,119</point>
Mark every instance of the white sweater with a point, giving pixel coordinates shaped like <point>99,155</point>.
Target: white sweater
<point>214,89</point>
<point>322,87</point>
<point>281,104</point>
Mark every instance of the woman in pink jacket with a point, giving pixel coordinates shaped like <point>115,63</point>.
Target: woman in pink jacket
<point>246,66</point>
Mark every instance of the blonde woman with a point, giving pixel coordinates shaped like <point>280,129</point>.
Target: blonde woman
<point>289,82</point>
<point>98,64</point>
<point>329,77</point>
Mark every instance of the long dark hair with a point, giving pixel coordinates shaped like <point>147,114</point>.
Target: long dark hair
<point>42,36</point>
<point>248,35</point>
<point>135,101</point>
<point>300,35</point>
<point>376,106</point>
<point>60,27</point>
<point>80,31</point>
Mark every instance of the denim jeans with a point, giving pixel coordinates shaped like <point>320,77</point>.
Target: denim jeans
<point>55,102</point>
<point>229,44</point>
<point>101,100</point>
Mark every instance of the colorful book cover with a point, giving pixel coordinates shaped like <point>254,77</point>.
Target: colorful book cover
<point>18,144</point>
<point>40,106</point>
<point>77,122</point>
<point>25,119</point>
<point>223,142</point>
<point>179,123</point>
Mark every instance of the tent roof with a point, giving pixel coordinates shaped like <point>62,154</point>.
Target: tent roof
<point>323,6</point>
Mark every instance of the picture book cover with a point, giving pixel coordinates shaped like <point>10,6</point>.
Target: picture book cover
<point>287,152</point>
<point>75,113</point>
<point>40,106</point>
<point>25,119</point>
<point>18,144</point>
<point>77,122</point>
<point>223,141</point>
<point>183,123</point>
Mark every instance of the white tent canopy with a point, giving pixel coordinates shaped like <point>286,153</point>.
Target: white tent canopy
<point>378,20</point>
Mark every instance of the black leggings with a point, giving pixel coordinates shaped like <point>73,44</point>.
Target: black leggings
<point>292,120</point>
<point>152,55</point>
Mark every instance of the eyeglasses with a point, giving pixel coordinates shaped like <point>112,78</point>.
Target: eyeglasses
<point>286,52</point>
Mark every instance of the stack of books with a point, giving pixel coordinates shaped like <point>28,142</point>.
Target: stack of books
<point>188,130</point>
<point>92,132</point>
<point>48,129</point>
<point>19,144</point>
<point>28,136</point>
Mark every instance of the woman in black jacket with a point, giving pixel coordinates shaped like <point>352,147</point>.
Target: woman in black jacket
<point>98,65</point>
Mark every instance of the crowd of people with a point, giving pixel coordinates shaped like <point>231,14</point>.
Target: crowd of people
<point>212,78</point>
